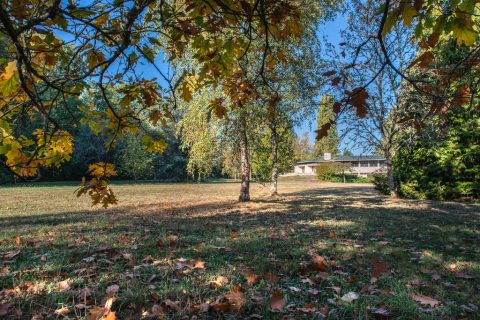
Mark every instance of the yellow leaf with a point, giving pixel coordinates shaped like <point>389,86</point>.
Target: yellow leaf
<point>464,34</point>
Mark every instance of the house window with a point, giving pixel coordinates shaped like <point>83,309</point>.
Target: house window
<point>381,163</point>
<point>363,163</point>
<point>354,164</point>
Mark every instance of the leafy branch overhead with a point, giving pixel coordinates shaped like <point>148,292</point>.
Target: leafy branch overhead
<point>57,49</point>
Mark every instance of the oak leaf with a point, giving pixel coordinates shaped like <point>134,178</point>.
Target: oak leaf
<point>277,302</point>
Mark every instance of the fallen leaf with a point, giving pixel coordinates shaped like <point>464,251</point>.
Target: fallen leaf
<point>236,299</point>
<point>9,255</point>
<point>351,296</point>
<point>379,267</point>
<point>169,305</point>
<point>270,277</point>
<point>220,306</point>
<point>64,285</point>
<point>111,290</point>
<point>95,313</point>
<point>380,314</point>
<point>157,310</point>
<point>331,234</point>
<point>234,235</point>
<point>219,282</point>
<point>196,264</point>
<point>83,294</point>
<point>62,311</point>
<point>313,291</point>
<point>110,316</point>
<point>319,264</point>
<point>250,276</point>
<point>277,303</point>
<point>425,300</point>
<point>4,308</point>
<point>336,289</point>
<point>464,275</point>
<point>18,240</point>
<point>308,308</point>
<point>295,289</point>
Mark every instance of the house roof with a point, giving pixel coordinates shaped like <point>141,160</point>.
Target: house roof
<point>343,159</point>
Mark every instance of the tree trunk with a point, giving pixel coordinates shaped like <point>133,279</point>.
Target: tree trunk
<point>274,187</point>
<point>391,180</point>
<point>245,163</point>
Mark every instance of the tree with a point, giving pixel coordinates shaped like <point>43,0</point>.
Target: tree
<point>110,39</point>
<point>326,115</point>
<point>302,148</point>
<point>438,156</point>
<point>133,160</point>
<point>374,124</point>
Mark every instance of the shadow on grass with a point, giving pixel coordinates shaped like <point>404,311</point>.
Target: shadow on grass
<point>275,235</point>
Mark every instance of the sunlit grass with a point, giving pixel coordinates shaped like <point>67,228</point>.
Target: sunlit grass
<point>62,237</point>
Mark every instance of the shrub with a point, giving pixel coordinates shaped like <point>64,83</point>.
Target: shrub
<point>331,171</point>
<point>381,183</point>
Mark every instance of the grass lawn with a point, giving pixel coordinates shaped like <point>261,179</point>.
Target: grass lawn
<point>190,251</point>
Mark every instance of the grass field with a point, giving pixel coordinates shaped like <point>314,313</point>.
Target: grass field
<point>190,251</point>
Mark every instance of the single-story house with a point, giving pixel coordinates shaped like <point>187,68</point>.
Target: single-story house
<point>361,165</point>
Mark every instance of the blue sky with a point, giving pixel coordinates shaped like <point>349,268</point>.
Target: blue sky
<point>331,31</point>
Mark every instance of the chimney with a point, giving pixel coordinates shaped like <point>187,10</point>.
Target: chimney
<point>327,156</point>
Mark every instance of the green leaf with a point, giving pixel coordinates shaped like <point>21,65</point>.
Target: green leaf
<point>464,34</point>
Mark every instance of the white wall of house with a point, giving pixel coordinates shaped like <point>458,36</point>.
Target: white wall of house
<point>307,169</point>
<point>362,168</point>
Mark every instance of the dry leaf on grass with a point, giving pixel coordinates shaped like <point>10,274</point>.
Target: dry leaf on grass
<point>319,264</point>
<point>64,285</point>
<point>164,307</point>
<point>250,276</point>
<point>111,290</point>
<point>4,308</point>
<point>336,289</point>
<point>350,296</point>
<point>62,311</point>
<point>236,299</point>
<point>270,277</point>
<point>378,267</point>
<point>277,303</point>
<point>9,255</point>
<point>425,300</point>
<point>219,282</point>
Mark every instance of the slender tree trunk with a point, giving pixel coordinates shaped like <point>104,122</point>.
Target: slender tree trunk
<point>245,163</point>
<point>274,187</point>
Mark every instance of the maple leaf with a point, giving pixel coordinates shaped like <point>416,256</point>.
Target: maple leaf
<point>319,264</point>
<point>425,300</point>
<point>323,131</point>
<point>277,302</point>
<point>250,276</point>
<point>379,267</point>
<point>336,81</point>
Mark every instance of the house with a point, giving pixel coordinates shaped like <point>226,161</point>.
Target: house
<point>362,166</point>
